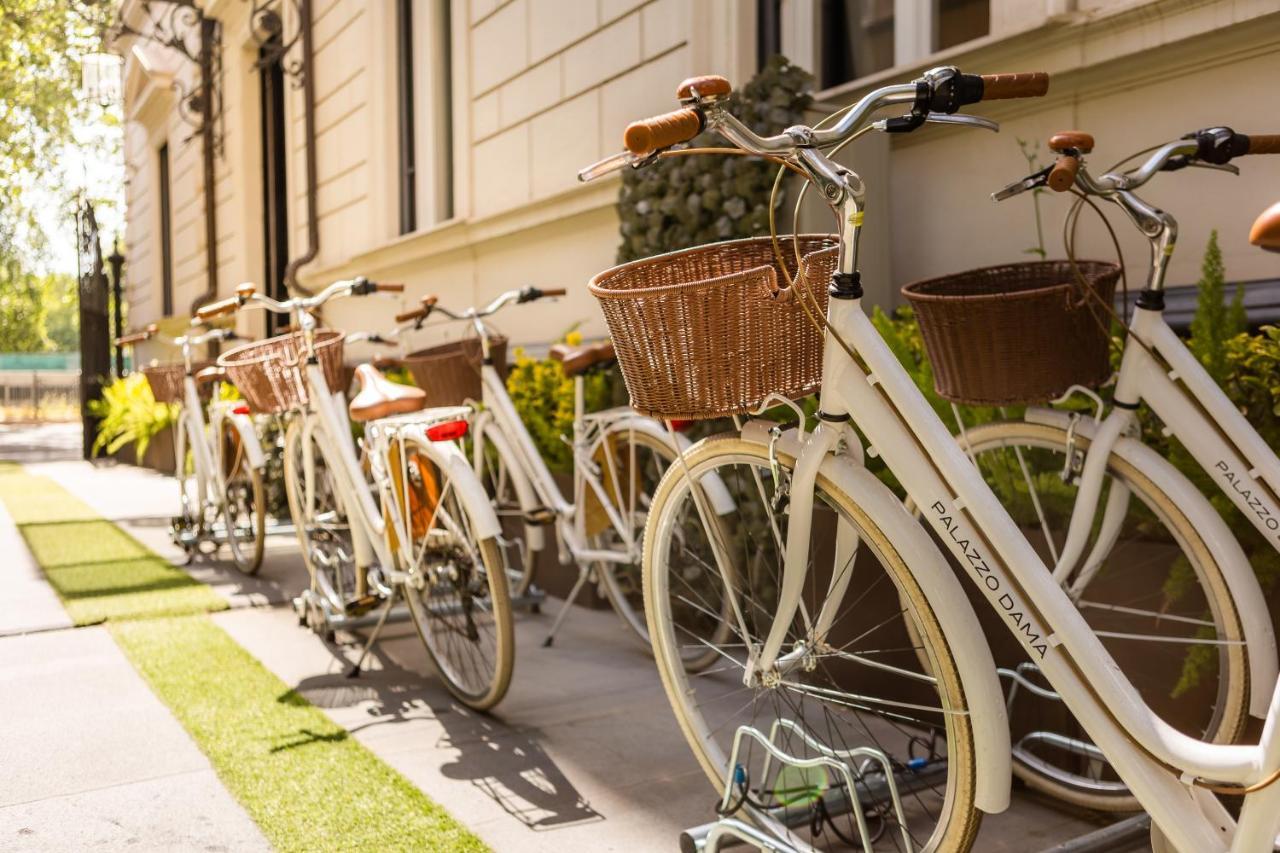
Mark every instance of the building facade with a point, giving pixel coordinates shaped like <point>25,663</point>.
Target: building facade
<point>446,137</point>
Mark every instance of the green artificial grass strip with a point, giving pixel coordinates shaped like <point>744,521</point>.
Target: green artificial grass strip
<point>100,572</point>
<point>306,782</point>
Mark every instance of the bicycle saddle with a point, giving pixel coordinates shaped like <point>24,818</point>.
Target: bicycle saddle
<point>212,373</point>
<point>580,359</point>
<point>379,397</point>
<point>1266,229</point>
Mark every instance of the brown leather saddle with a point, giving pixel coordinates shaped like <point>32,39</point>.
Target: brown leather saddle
<point>580,359</point>
<point>1266,229</point>
<point>379,397</point>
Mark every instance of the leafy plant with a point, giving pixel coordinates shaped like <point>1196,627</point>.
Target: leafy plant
<point>680,202</point>
<point>1214,321</point>
<point>130,414</point>
<point>543,397</point>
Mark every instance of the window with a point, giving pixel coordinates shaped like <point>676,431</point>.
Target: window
<point>856,39</point>
<point>844,40</point>
<point>166,232</point>
<point>959,21</point>
<point>768,30</point>
<point>424,112</point>
<point>404,103</point>
<point>275,192</point>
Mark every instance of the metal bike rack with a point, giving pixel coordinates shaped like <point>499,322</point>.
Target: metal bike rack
<point>1113,838</point>
<point>884,785</point>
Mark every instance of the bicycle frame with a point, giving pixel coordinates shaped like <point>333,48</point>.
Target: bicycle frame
<point>1155,760</point>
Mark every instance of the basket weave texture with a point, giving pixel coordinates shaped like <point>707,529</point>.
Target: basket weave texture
<point>271,373</point>
<point>449,373</point>
<point>1017,333</point>
<point>714,330</point>
<point>166,381</point>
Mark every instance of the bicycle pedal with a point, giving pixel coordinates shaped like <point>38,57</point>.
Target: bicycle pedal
<point>540,515</point>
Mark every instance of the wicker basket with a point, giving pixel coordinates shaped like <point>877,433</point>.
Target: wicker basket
<point>166,381</point>
<point>270,374</point>
<point>450,373</point>
<point>712,331</point>
<point>1017,333</point>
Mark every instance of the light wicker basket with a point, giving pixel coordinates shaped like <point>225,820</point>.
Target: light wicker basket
<point>714,330</point>
<point>271,373</point>
<point>449,373</point>
<point>1017,333</point>
<point>166,381</point>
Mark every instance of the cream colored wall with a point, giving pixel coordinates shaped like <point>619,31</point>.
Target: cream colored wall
<point>542,87</point>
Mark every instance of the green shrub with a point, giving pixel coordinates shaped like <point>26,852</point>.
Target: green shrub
<point>130,415</point>
<point>680,202</point>
<point>543,397</point>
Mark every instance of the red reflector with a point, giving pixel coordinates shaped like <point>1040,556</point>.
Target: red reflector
<point>242,409</point>
<point>680,425</point>
<point>447,431</point>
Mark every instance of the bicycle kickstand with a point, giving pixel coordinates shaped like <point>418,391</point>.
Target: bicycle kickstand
<point>584,574</point>
<point>354,671</point>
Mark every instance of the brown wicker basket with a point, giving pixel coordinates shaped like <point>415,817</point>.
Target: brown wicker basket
<point>166,381</point>
<point>450,373</point>
<point>1017,333</point>
<point>713,330</point>
<point>270,373</point>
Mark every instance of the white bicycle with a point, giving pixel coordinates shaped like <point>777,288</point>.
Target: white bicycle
<point>219,464</point>
<point>819,668</point>
<point>618,458</point>
<point>415,523</point>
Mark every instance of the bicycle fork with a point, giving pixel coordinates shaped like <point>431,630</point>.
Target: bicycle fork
<point>766,665</point>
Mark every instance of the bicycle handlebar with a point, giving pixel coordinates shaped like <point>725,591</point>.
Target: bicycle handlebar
<point>940,91</point>
<point>138,336</point>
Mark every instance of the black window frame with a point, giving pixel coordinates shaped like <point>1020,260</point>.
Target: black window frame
<point>166,231</point>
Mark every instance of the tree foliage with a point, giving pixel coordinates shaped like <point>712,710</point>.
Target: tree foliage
<point>1215,322</point>
<point>680,202</point>
<point>41,42</point>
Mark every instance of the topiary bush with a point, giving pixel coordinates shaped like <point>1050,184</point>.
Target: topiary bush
<point>680,202</point>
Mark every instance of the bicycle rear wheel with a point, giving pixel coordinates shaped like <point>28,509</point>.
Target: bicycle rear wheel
<point>243,503</point>
<point>458,593</point>
<point>871,684</point>
<point>1154,595</point>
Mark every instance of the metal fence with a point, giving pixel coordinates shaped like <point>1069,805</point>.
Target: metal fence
<point>39,395</point>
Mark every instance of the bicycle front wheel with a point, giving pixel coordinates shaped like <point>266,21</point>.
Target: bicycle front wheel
<point>880,692</point>
<point>458,592</point>
<point>1147,585</point>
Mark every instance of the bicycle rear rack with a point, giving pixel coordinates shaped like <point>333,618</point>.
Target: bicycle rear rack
<point>876,783</point>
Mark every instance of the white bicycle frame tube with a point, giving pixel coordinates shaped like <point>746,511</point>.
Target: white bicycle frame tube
<point>500,418</point>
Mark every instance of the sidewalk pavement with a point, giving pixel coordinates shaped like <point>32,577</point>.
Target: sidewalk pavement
<point>583,754</point>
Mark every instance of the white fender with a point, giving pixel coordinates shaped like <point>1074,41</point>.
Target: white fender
<point>716,491</point>
<point>248,439</point>
<point>448,456</point>
<point>987,713</point>
<point>485,426</point>
<point>1241,581</point>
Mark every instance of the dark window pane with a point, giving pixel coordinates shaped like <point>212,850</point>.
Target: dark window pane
<point>166,233</point>
<point>962,20</point>
<point>768,30</point>
<point>857,39</point>
<point>404,80</point>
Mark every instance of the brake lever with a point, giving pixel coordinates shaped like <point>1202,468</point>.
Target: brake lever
<point>966,120</point>
<point>1224,167</point>
<point>610,164</point>
<point>1030,182</point>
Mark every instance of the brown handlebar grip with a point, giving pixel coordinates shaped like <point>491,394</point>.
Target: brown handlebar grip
<point>1077,139</point>
<point>653,134</point>
<point>708,86</point>
<point>1029,84</point>
<point>415,314</point>
<point>553,291</point>
<point>388,287</point>
<point>245,289</point>
<point>1063,174</point>
<point>1264,143</point>
<point>219,309</point>
<point>386,362</point>
<point>137,337</point>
